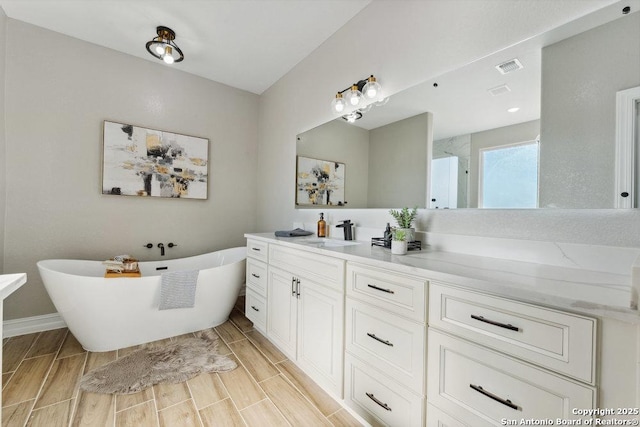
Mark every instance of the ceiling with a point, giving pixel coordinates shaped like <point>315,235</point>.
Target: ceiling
<point>462,103</point>
<point>247,44</point>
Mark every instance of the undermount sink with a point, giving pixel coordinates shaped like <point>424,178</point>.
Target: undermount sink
<point>329,243</point>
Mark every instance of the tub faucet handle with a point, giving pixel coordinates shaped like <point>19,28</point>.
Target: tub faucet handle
<point>171,245</point>
<point>148,245</point>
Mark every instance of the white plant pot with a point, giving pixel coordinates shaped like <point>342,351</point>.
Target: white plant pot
<point>399,247</point>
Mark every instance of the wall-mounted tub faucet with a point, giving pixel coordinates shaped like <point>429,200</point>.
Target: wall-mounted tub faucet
<point>161,246</point>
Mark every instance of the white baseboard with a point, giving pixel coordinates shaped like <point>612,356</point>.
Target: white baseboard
<point>28,325</point>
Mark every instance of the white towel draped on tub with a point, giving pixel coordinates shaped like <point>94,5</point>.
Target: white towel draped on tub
<point>178,289</point>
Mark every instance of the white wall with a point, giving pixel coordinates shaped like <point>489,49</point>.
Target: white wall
<point>3,157</point>
<point>416,41</point>
<point>580,78</point>
<point>58,92</point>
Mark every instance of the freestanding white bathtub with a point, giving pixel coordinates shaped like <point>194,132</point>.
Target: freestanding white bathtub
<point>107,314</point>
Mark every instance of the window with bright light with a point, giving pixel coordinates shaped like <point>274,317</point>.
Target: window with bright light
<point>509,176</point>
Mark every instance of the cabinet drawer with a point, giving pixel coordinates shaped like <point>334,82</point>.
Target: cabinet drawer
<point>471,381</point>
<point>256,309</point>
<point>322,269</point>
<point>257,276</point>
<point>559,341</point>
<point>438,418</point>
<point>378,399</point>
<point>257,249</point>
<point>400,293</point>
<point>390,343</point>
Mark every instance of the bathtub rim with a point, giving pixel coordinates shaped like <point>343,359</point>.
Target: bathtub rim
<point>238,254</point>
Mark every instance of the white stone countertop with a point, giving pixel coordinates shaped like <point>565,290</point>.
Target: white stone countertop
<point>11,282</point>
<point>573,289</point>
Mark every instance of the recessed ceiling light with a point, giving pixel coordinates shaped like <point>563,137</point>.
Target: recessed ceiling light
<point>513,109</point>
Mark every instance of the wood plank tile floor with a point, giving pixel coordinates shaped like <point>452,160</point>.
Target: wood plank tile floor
<point>41,371</point>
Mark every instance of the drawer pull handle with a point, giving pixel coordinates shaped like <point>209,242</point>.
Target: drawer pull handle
<point>494,323</point>
<point>505,402</point>
<point>372,397</point>
<point>255,249</point>
<point>389,291</point>
<point>293,286</point>
<point>385,342</point>
<point>254,307</point>
<point>255,275</point>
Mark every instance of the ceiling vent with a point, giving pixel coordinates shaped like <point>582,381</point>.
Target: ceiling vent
<point>509,66</point>
<point>499,90</point>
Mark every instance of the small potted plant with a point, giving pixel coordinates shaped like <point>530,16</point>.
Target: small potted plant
<point>399,241</point>
<point>405,217</point>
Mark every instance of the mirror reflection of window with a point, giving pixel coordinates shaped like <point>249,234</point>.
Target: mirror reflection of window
<point>509,176</point>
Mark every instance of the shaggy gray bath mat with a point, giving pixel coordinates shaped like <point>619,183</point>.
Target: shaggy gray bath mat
<point>173,363</point>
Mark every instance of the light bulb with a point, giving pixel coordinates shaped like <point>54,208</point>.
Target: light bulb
<point>338,104</point>
<point>168,57</point>
<point>372,89</point>
<point>159,48</point>
<point>354,96</point>
<point>381,101</point>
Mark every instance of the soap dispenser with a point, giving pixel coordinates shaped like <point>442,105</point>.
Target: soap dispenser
<point>322,226</point>
<point>387,236</point>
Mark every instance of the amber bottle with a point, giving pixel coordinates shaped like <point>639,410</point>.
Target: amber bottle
<point>322,227</point>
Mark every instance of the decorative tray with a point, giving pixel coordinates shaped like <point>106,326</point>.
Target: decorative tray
<point>415,245</point>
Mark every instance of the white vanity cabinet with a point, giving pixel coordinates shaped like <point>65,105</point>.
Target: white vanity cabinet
<point>305,306</point>
<point>492,359</point>
<point>417,344</point>
<point>256,292</point>
<point>385,338</point>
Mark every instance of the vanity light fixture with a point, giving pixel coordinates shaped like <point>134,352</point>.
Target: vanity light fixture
<point>356,95</point>
<point>164,47</point>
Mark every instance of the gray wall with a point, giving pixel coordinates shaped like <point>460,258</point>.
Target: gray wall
<point>345,143</point>
<point>397,155</point>
<point>58,92</point>
<point>527,131</point>
<point>3,145</point>
<point>580,78</point>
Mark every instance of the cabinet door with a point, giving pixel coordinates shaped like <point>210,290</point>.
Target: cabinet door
<point>281,308</point>
<point>320,343</point>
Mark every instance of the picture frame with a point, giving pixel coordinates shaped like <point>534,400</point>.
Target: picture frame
<point>145,162</point>
<point>319,182</point>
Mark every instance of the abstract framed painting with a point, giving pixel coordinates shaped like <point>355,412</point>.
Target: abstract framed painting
<point>144,162</point>
<point>319,182</point>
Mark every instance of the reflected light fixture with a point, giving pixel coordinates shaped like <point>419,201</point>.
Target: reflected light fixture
<point>352,116</point>
<point>164,47</point>
<point>356,96</point>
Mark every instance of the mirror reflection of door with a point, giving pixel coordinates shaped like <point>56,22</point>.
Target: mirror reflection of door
<point>509,176</point>
<point>444,183</point>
